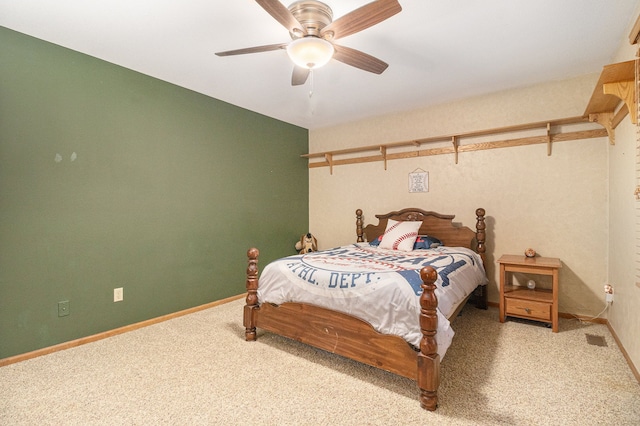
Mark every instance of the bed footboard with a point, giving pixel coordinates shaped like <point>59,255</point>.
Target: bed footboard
<point>351,337</point>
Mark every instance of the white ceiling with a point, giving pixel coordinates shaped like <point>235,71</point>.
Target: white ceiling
<point>437,50</point>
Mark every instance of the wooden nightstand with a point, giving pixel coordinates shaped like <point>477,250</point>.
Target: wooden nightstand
<point>519,301</point>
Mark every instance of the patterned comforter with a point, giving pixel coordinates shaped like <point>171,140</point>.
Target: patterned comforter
<point>376,285</point>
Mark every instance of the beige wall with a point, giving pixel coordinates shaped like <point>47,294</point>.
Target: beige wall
<point>577,204</point>
<point>556,204</point>
<point>624,315</point>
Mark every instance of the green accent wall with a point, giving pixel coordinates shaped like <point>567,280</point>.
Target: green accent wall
<point>110,178</point>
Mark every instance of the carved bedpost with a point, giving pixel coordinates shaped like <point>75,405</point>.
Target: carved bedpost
<point>359,226</point>
<point>252,294</point>
<point>428,358</point>
<point>481,237</point>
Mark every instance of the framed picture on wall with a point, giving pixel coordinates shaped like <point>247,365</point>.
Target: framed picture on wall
<point>419,181</point>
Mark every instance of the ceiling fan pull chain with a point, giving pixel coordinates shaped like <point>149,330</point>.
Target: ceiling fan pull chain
<point>311,83</point>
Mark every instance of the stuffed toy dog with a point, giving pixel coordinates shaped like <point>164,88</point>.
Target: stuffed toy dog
<point>307,244</point>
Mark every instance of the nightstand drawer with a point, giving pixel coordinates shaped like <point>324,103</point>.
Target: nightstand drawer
<point>528,308</point>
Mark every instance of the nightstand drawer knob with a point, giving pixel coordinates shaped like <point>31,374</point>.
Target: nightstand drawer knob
<point>527,310</point>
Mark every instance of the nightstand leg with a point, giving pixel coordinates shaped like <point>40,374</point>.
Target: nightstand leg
<point>554,306</point>
<point>503,278</point>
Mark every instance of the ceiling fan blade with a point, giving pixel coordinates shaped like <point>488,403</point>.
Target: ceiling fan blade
<point>281,14</point>
<point>255,49</point>
<point>359,59</point>
<point>299,76</point>
<point>362,18</point>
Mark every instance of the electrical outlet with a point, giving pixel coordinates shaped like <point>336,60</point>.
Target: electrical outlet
<point>118,294</point>
<point>63,308</point>
<point>608,293</point>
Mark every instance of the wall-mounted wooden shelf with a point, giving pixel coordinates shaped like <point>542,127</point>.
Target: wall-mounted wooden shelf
<point>550,131</point>
<point>616,84</point>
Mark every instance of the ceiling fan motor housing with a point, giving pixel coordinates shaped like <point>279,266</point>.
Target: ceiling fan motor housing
<point>312,15</point>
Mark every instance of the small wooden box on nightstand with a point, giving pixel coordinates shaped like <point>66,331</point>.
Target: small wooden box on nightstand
<point>521,302</point>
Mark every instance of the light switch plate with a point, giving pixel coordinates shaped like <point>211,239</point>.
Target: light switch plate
<point>63,308</point>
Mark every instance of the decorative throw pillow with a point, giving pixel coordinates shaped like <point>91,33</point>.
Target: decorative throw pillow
<point>376,241</point>
<point>400,235</point>
<point>425,242</point>
<point>422,242</point>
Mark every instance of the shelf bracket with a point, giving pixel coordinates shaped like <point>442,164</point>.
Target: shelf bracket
<point>329,159</point>
<point>454,141</point>
<point>548,139</point>
<point>383,151</point>
<point>605,119</point>
<point>625,91</point>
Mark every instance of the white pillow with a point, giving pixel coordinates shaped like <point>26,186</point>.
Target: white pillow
<point>400,235</point>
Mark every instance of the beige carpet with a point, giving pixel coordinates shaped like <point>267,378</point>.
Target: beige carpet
<point>198,370</point>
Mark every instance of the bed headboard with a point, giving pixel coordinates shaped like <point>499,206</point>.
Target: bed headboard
<point>434,224</point>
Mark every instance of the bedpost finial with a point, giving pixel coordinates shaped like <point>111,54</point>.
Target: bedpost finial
<point>253,253</point>
<point>480,225</point>
<point>359,232</point>
<point>428,275</point>
<point>481,234</point>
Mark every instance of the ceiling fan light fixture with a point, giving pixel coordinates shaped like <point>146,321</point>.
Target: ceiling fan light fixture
<point>310,52</point>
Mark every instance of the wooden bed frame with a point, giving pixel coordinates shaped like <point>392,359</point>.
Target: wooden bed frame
<point>354,338</point>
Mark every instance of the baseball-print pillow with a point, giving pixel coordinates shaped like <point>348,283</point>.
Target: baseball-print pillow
<point>400,235</point>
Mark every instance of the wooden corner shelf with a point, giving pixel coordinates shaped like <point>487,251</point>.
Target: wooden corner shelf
<point>616,84</point>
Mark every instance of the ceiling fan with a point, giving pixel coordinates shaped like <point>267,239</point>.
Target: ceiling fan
<point>313,30</point>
